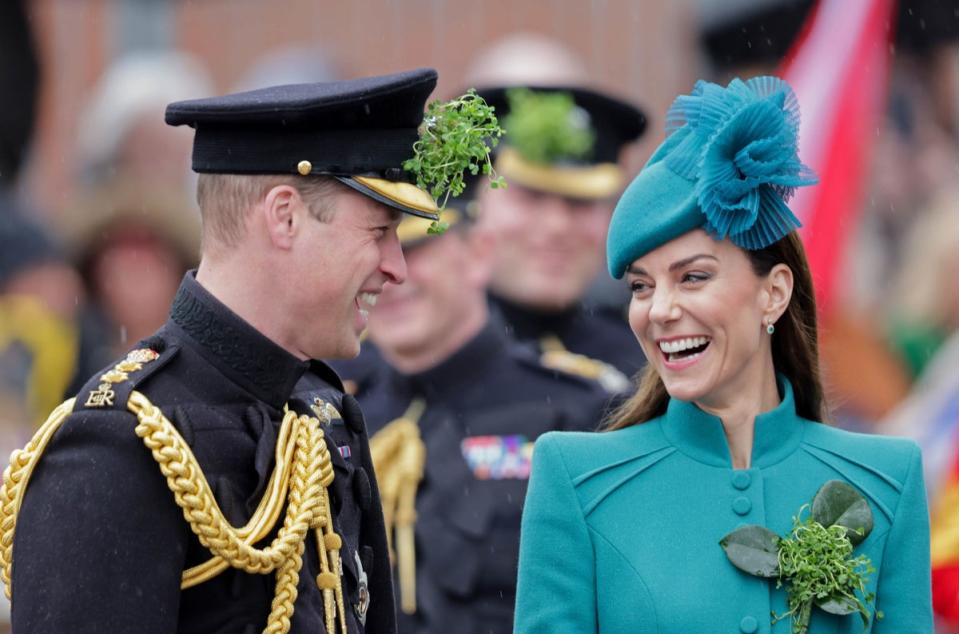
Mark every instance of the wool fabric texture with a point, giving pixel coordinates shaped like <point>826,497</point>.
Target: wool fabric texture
<point>621,530</point>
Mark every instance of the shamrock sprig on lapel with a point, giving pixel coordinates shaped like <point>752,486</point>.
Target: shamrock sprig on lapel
<point>815,560</point>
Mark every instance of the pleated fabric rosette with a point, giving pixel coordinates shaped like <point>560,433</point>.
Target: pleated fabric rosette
<point>729,165</point>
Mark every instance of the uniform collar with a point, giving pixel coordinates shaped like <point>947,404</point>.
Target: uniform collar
<point>235,347</point>
<point>529,323</point>
<point>700,435</point>
<point>462,366</point>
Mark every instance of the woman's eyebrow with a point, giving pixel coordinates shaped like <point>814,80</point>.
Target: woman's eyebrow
<point>637,270</point>
<point>687,261</point>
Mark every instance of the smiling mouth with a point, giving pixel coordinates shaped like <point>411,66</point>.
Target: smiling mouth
<point>364,302</point>
<point>682,349</point>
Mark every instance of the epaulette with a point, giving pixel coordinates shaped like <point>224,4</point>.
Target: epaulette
<point>528,355</point>
<point>606,375</point>
<point>111,388</point>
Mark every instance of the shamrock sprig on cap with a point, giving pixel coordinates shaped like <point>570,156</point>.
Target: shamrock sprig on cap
<point>547,126</point>
<point>456,137</point>
<point>815,560</point>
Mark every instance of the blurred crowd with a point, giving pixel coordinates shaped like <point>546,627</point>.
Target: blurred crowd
<point>81,284</point>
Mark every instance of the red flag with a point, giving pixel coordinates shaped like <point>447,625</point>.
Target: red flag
<point>945,549</point>
<point>838,66</point>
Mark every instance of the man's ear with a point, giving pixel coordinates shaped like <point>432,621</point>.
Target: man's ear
<point>282,214</point>
<point>779,290</point>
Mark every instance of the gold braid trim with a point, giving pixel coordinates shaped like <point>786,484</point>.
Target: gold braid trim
<point>399,458</point>
<point>267,512</point>
<point>308,507</point>
<point>15,479</point>
<point>302,474</point>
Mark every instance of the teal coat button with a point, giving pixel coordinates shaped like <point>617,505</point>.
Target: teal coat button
<point>742,505</point>
<point>742,480</point>
<point>748,625</point>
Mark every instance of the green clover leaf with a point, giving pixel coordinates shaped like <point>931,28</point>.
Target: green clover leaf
<point>838,503</point>
<point>753,549</point>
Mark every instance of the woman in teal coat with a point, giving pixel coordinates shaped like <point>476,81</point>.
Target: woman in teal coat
<point>654,525</point>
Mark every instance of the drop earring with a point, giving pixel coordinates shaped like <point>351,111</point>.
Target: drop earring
<point>770,329</point>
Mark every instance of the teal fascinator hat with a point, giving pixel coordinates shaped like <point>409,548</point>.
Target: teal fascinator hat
<point>729,165</point>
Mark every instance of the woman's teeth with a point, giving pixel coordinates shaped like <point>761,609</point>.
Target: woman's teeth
<point>681,348</point>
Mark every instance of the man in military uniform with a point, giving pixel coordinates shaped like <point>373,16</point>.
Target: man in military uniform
<point>200,483</point>
<point>550,223</point>
<point>453,415</point>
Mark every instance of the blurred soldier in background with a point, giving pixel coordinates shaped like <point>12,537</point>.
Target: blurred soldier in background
<point>550,223</point>
<point>453,415</point>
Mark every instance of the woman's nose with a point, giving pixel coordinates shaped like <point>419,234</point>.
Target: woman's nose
<point>663,307</point>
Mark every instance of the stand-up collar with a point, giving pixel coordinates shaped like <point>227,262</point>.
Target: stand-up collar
<point>461,367</point>
<point>700,435</point>
<point>237,349</point>
<point>528,323</point>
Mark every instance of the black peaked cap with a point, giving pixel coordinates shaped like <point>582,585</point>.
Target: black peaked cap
<point>360,127</point>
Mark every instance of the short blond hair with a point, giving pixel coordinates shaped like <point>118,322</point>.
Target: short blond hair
<point>225,201</point>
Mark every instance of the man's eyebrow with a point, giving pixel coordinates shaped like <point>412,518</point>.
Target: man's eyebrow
<point>636,270</point>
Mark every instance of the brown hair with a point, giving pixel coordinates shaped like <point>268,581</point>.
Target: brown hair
<point>795,345</point>
<point>226,199</point>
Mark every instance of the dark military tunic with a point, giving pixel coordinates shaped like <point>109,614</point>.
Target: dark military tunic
<point>100,544</point>
<point>484,406</point>
<point>596,333</point>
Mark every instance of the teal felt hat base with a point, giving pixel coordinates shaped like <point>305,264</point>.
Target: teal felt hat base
<point>658,206</point>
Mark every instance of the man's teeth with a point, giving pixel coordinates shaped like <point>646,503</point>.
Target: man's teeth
<point>368,298</point>
<point>679,345</point>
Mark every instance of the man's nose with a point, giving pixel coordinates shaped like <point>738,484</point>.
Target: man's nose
<point>392,261</point>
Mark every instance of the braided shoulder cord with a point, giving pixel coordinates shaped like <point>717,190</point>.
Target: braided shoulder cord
<point>267,512</point>
<point>15,479</point>
<point>399,459</point>
<point>301,476</point>
<point>307,507</point>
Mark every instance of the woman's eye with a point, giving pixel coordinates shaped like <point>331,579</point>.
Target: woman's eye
<point>695,277</point>
<point>638,286</point>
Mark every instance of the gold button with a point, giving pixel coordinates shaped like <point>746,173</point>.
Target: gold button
<point>304,167</point>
